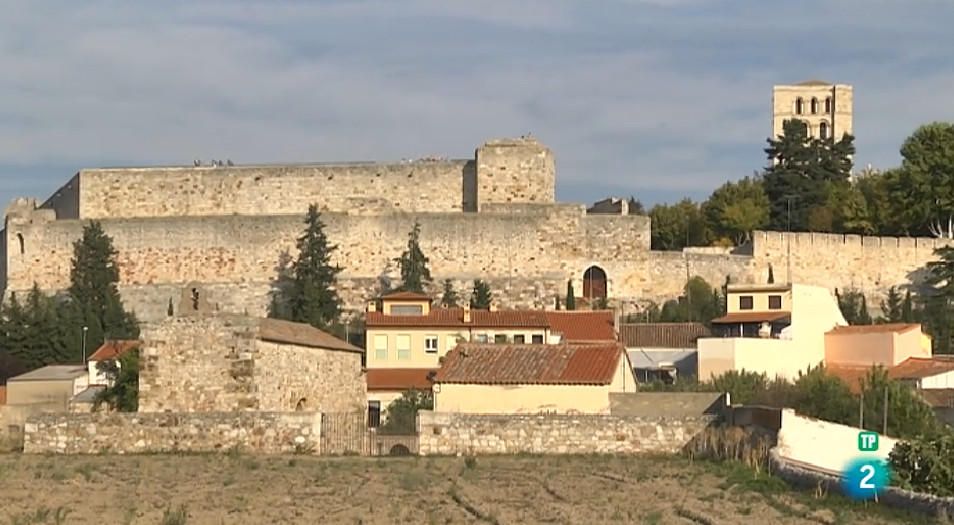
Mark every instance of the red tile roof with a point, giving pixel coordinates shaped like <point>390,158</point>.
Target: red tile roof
<point>853,376</point>
<point>921,367</point>
<point>399,378</point>
<point>454,317</point>
<point>3,395</point>
<point>662,335</point>
<point>113,349</point>
<point>563,364</point>
<point>751,317</point>
<point>406,296</point>
<point>583,325</point>
<point>301,334</point>
<point>874,328</point>
<point>938,397</point>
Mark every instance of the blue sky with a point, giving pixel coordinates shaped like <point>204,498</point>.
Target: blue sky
<point>654,98</point>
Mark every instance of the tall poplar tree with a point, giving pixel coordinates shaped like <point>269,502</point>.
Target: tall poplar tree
<point>413,263</point>
<point>93,291</point>
<point>312,296</point>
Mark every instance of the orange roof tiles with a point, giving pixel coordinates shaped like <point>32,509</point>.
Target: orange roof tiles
<point>582,325</point>
<point>3,395</point>
<point>399,378</point>
<point>112,349</point>
<point>454,317</point>
<point>920,367</point>
<point>563,364</point>
<point>751,317</point>
<point>406,296</point>
<point>662,335</point>
<point>938,397</point>
<point>853,376</point>
<point>280,331</point>
<point>873,328</point>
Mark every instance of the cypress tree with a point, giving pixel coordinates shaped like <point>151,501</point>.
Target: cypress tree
<point>892,307</point>
<point>907,308</point>
<point>413,263</point>
<point>771,275</point>
<point>93,288</point>
<point>570,297</point>
<point>558,302</point>
<point>450,299</point>
<point>313,298</point>
<point>481,297</point>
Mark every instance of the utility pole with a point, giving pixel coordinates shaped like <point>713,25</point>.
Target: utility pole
<point>788,239</point>
<point>861,409</point>
<point>85,329</point>
<point>885,424</point>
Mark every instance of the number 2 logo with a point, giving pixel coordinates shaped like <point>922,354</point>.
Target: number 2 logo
<point>869,472</point>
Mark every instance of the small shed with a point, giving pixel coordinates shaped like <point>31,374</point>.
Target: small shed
<point>50,385</point>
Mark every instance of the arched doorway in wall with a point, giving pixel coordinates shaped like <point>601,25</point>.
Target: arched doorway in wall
<point>594,283</point>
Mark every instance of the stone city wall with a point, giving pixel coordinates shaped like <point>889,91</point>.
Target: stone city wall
<point>445,433</point>
<point>131,433</point>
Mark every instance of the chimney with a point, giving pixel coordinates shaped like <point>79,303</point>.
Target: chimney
<point>493,307</point>
<point>467,313</point>
<point>372,306</point>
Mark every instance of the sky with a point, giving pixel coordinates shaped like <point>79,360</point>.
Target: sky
<point>659,99</point>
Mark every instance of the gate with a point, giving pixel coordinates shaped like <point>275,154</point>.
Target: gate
<point>344,433</point>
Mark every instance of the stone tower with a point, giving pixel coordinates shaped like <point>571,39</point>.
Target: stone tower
<point>825,107</point>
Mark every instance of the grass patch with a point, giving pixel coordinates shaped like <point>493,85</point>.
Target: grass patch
<point>175,516</point>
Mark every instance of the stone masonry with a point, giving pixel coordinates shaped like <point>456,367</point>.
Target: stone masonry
<point>229,230</point>
<point>213,363</point>
<point>127,433</point>
<point>443,433</point>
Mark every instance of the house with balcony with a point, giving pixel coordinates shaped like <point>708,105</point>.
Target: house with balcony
<point>775,329</point>
<point>407,336</point>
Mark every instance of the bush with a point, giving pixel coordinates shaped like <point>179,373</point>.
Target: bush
<point>924,465</point>
<point>402,412</point>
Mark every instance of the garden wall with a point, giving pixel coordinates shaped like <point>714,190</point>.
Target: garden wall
<point>124,433</point>
<point>445,433</point>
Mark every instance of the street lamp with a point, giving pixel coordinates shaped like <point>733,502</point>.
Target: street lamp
<point>85,329</point>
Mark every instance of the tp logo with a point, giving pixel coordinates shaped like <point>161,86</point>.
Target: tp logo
<point>868,441</point>
<point>865,477</point>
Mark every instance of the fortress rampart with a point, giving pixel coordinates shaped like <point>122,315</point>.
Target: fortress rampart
<point>227,229</point>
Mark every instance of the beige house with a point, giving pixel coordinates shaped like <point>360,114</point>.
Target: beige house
<point>52,385</point>
<point>212,363</point>
<point>532,379</point>
<point>109,351</point>
<point>880,344</point>
<point>777,330</point>
<point>406,338</point>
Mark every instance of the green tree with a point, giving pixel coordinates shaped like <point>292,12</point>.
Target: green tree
<point>924,465</point>
<point>481,297</point>
<point>308,283</point>
<point>922,188</point>
<point>678,225</point>
<point>909,416</point>
<point>94,277</point>
<point>823,396</point>
<point>892,307</point>
<point>939,310</point>
<point>803,176</point>
<point>743,387</point>
<point>735,209</point>
<point>700,302</point>
<point>853,306</point>
<point>401,414</point>
<point>570,296</point>
<point>636,207</point>
<point>123,375</point>
<point>413,263</point>
<point>908,314</point>
<point>450,297</point>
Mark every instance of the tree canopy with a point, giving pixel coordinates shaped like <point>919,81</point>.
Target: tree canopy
<point>413,263</point>
<point>481,297</point>
<point>311,280</point>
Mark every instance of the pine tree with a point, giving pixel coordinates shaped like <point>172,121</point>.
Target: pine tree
<point>94,276</point>
<point>413,263</point>
<point>771,275</point>
<point>481,297</point>
<point>939,312</point>
<point>854,307</point>
<point>908,314</point>
<point>312,297</point>
<point>892,307</point>
<point>570,296</point>
<point>450,299</point>
<point>557,306</point>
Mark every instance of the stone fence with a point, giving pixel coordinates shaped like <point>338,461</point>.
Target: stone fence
<point>445,433</point>
<point>122,433</point>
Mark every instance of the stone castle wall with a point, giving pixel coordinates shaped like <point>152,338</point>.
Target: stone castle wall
<point>444,433</point>
<point>132,433</point>
<point>212,363</point>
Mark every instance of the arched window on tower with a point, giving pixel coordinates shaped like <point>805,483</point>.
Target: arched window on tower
<point>799,106</point>
<point>823,130</point>
<point>20,241</point>
<point>814,106</point>
<point>828,105</point>
<point>594,283</point>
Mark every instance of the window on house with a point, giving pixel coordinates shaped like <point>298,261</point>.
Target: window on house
<point>519,339</point>
<point>775,302</point>
<point>827,104</point>
<point>407,309</point>
<point>745,302</point>
<point>814,105</point>
<point>799,106</point>
<point>537,339</point>
<point>381,348</point>
<point>481,338</point>
<point>823,130</point>
<point>500,339</point>
<point>374,414</point>
<point>430,344</point>
<point>403,345</point>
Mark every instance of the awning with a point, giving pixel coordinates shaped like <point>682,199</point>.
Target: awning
<point>751,317</point>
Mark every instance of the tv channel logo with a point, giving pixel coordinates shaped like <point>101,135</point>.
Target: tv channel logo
<point>866,476</point>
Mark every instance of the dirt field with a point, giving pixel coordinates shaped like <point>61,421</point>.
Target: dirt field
<point>210,489</point>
